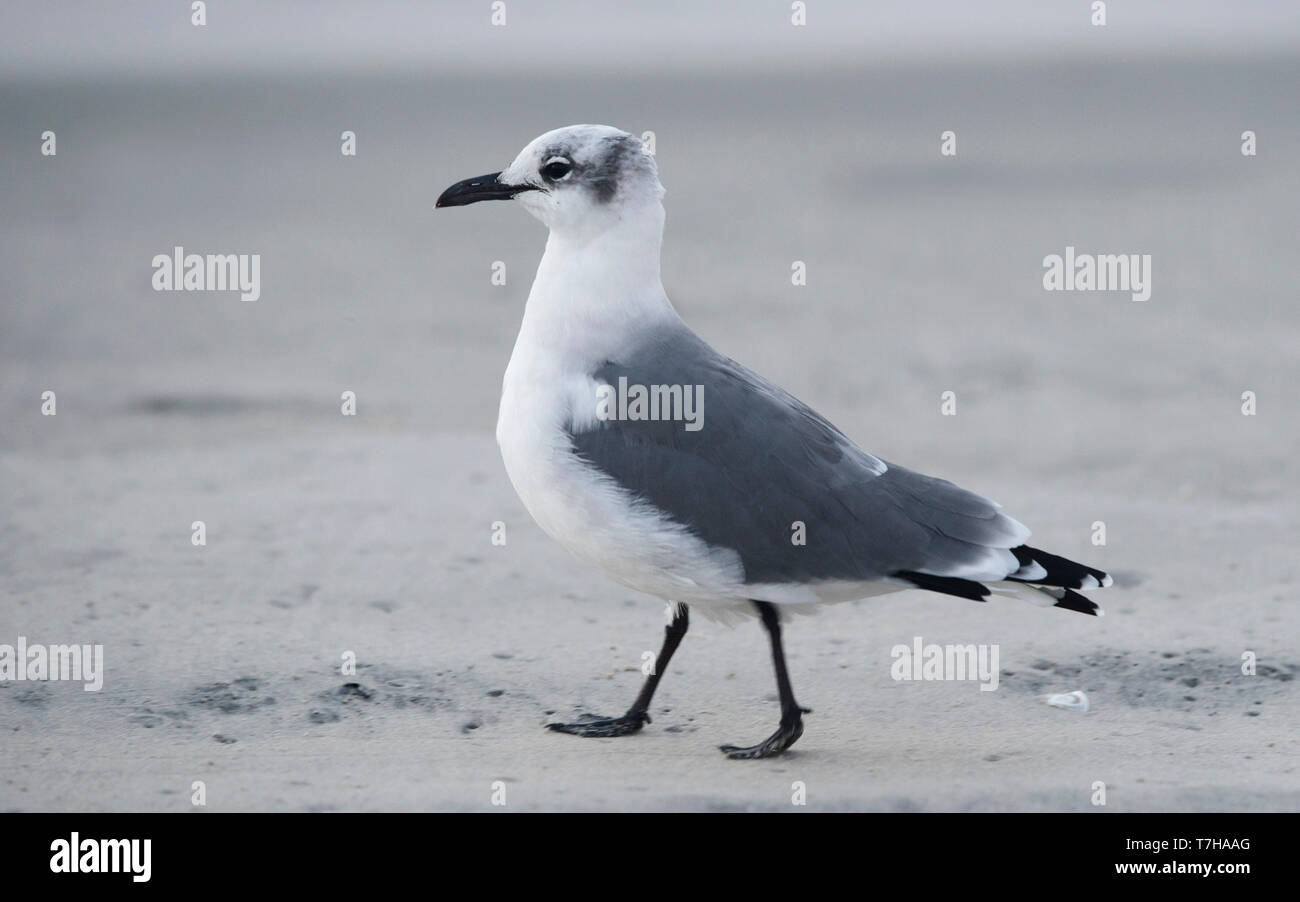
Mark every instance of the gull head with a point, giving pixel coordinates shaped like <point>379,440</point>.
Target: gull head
<point>582,178</point>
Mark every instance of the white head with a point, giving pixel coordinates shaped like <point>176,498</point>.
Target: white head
<point>582,179</point>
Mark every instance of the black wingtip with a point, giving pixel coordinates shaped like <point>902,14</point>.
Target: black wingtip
<point>1060,571</point>
<point>948,585</point>
<point>1073,601</point>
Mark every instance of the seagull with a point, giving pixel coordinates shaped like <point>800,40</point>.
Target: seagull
<point>704,504</point>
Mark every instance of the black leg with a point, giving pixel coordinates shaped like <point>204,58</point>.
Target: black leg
<point>791,728</point>
<point>639,714</point>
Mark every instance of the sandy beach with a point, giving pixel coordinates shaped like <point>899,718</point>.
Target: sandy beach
<point>372,534</point>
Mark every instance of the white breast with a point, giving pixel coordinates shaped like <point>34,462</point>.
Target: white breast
<point>586,511</point>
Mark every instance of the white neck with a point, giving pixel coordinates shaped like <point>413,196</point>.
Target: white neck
<point>596,289</point>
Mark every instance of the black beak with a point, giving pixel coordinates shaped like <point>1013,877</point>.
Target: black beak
<point>483,187</point>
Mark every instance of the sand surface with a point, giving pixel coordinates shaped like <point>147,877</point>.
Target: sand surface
<point>372,534</point>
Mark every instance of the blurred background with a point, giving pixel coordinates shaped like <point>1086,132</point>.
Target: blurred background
<point>817,143</point>
<point>777,143</point>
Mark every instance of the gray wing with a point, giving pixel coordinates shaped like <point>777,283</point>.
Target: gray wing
<point>763,460</point>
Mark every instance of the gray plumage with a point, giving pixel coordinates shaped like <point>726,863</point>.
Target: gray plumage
<point>763,460</point>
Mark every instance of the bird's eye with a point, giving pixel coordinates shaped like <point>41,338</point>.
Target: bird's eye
<point>556,170</point>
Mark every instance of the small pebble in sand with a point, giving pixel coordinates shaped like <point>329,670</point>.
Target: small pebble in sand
<point>354,689</point>
<point>1073,701</point>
